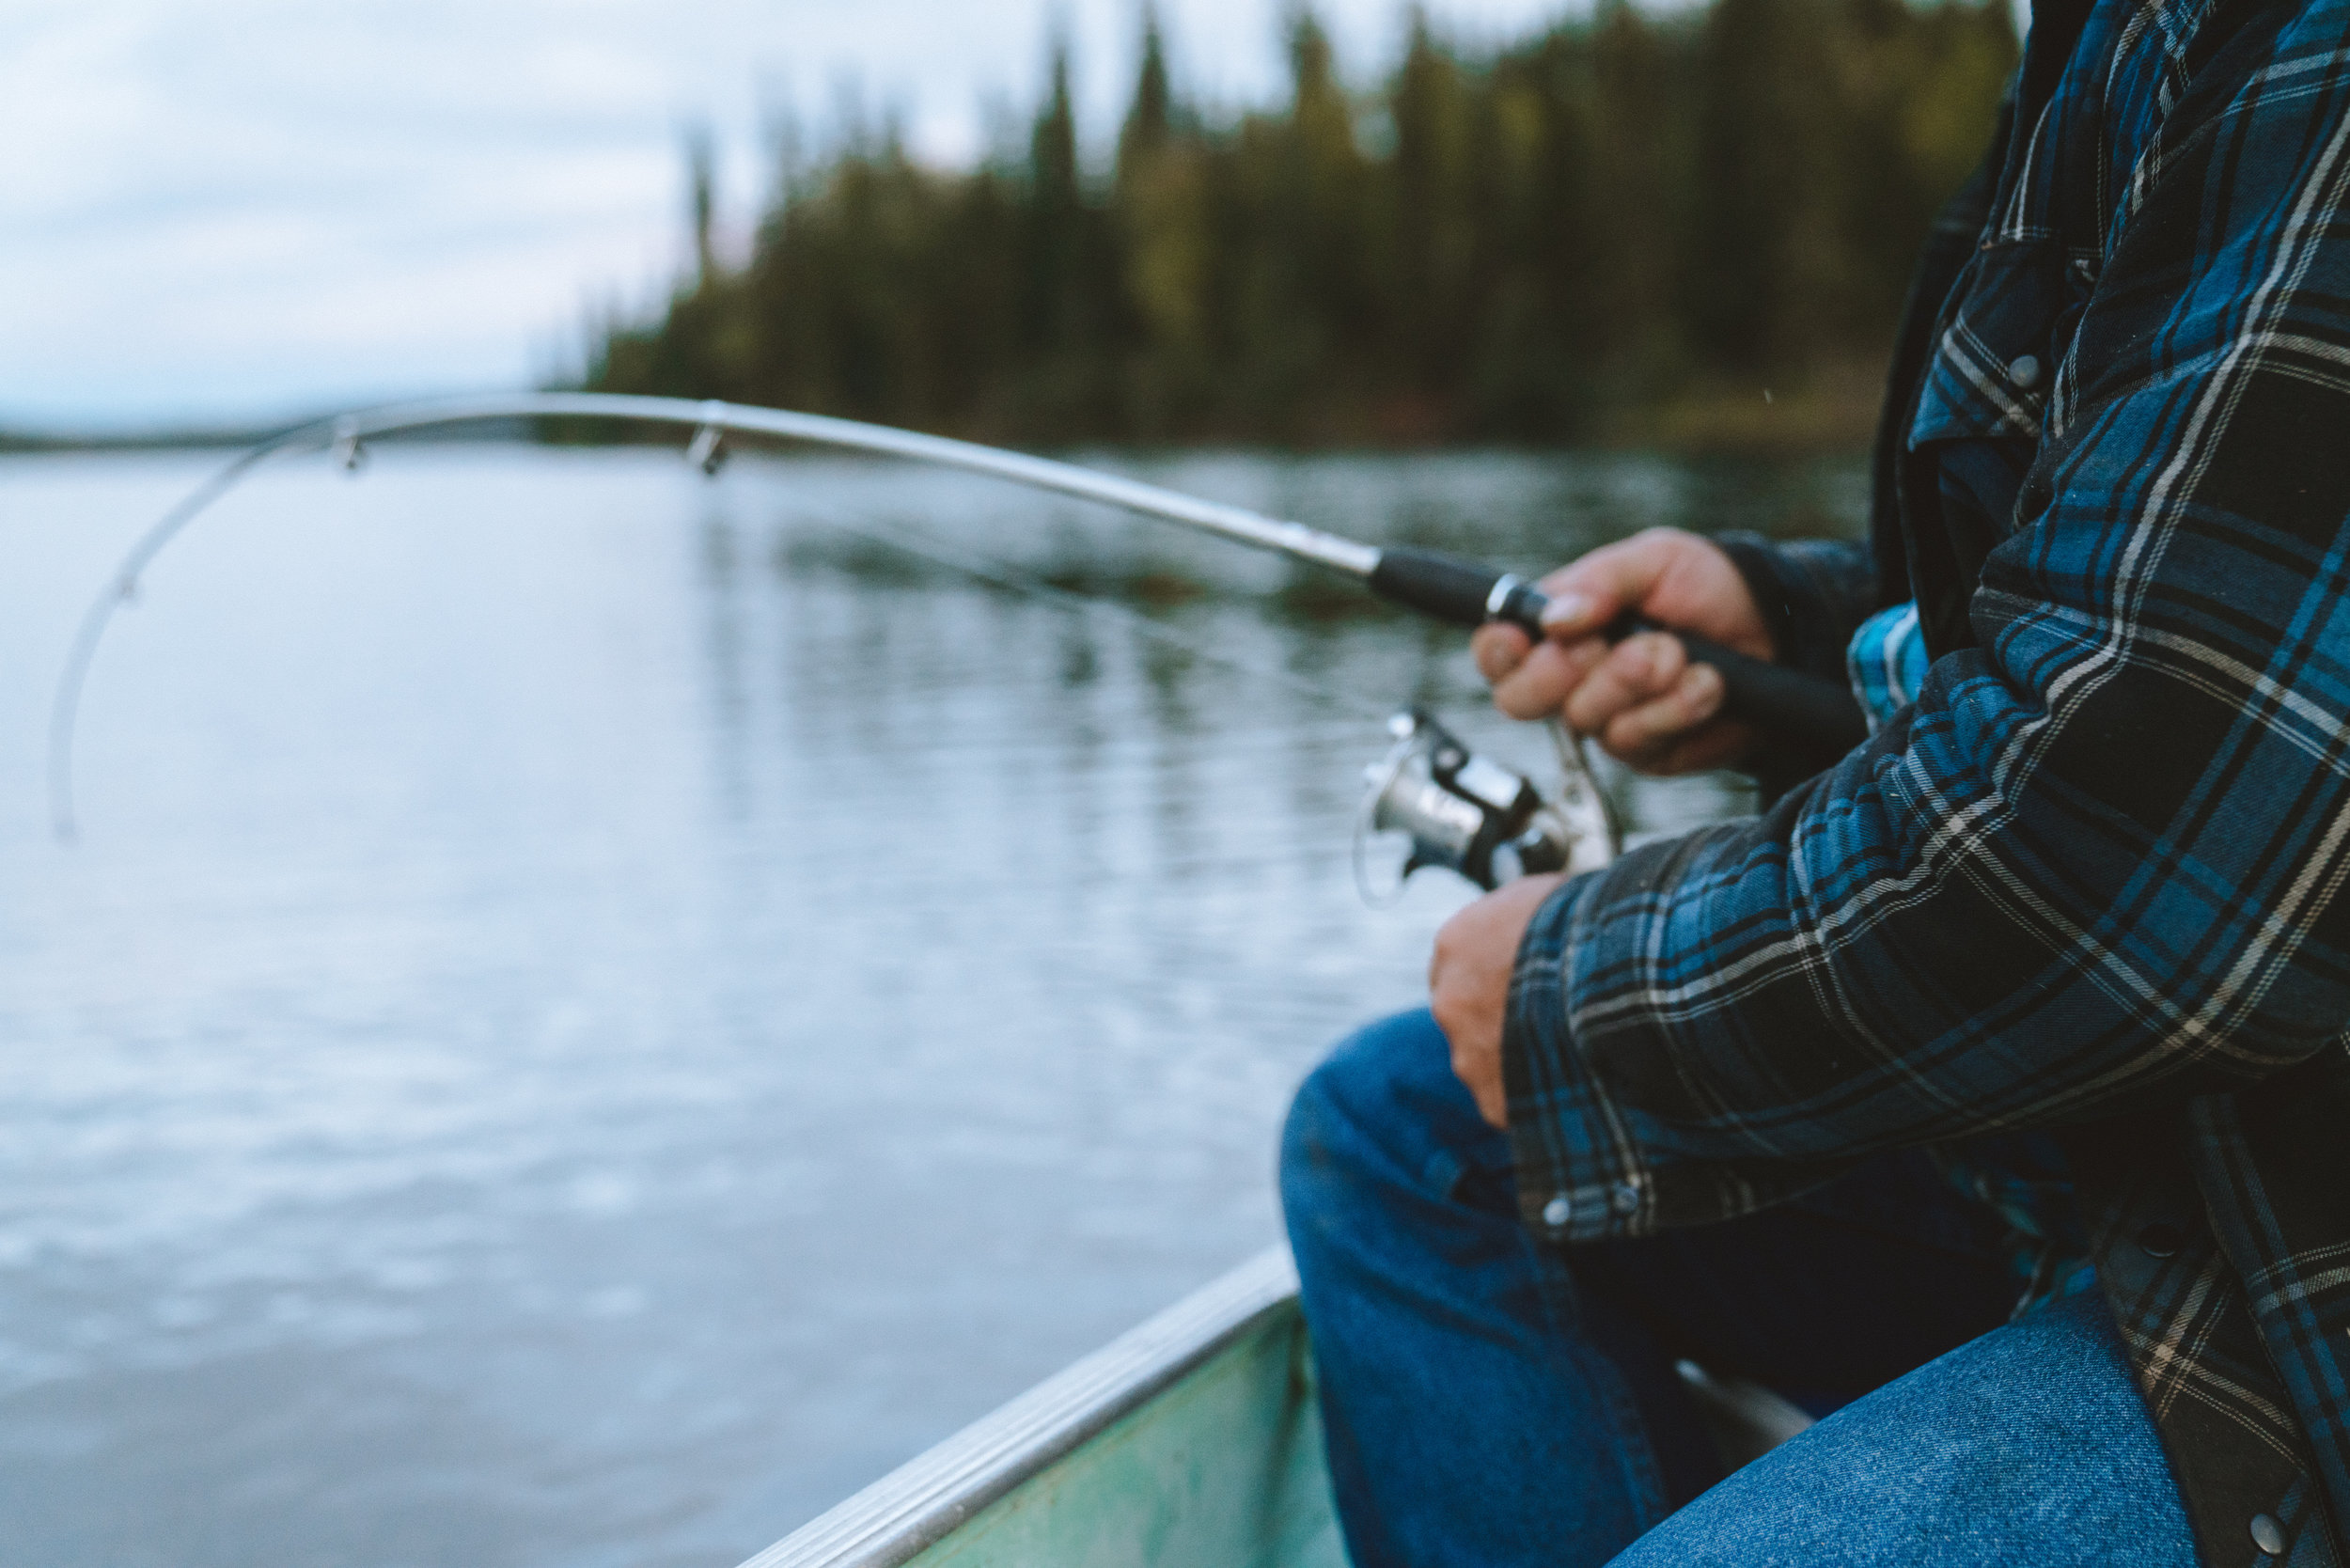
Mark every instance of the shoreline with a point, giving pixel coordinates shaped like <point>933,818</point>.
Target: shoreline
<point>1830,415</point>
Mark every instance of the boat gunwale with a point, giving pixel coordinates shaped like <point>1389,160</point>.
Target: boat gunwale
<point>930,1495</point>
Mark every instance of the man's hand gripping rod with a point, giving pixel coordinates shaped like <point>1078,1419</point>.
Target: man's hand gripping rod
<point>1820,717</point>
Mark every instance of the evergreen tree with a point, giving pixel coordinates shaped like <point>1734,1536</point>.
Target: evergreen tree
<point>1568,236</point>
<point>1432,227</point>
<point>1055,252</point>
<point>1752,234</point>
<point>701,162</point>
<point>1162,237</point>
<point>1151,120</point>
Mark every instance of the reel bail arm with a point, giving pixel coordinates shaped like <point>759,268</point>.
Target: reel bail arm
<point>1472,816</point>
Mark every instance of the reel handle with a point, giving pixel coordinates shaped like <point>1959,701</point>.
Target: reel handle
<point>1818,715</point>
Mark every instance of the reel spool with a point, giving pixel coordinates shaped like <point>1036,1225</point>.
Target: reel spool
<point>1475,816</point>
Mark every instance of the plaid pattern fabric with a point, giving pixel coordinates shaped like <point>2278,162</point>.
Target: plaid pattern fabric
<point>2022,1179</point>
<point>2025,1179</point>
<point>2090,880</point>
<point>1886,664</point>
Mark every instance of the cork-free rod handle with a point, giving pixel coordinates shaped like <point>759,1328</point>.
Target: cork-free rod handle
<point>1819,716</point>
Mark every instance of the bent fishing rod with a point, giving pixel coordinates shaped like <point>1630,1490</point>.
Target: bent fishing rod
<point>1816,715</point>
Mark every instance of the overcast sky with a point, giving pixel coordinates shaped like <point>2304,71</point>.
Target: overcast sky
<point>237,210</point>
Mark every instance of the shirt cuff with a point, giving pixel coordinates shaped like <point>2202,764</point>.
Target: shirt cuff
<point>1580,1174</point>
<point>1591,1164</point>
<point>1811,595</point>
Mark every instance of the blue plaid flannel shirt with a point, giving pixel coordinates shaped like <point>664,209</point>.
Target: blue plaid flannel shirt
<point>2089,881</point>
<point>2023,1178</point>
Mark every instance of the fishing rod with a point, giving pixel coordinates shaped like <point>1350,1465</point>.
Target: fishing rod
<point>1817,715</point>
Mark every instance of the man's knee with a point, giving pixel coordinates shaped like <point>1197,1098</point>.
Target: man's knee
<point>1383,1109</point>
<point>1359,1085</point>
<point>2031,1437</point>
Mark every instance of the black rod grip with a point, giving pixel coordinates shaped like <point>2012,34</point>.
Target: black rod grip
<point>1819,716</point>
<point>1442,586</point>
<point>1788,704</point>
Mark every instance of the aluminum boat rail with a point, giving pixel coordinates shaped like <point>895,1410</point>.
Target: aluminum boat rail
<point>1193,1439</point>
<point>925,1502</point>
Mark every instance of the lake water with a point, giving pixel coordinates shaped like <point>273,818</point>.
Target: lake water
<point>596,1012</point>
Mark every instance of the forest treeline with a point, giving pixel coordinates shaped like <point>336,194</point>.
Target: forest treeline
<point>1627,227</point>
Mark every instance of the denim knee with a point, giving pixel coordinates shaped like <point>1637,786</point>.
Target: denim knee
<point>1383,1111</point>
<point>2029,1444</point>
<point>1313,1147</point>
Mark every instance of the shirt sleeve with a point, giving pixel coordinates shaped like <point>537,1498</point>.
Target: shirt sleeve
<point>1812,594</point>
<point>2096,865</point>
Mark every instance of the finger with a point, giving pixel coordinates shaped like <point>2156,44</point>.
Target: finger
<point>1639,669</point>
<point>1483,1080</point>
<point>1499,649</point>
<point>1578,614</point>
<point>1601,585</point>
<point>1652,728</point>
<point>1539,687</point>
<point>1471,1065</point>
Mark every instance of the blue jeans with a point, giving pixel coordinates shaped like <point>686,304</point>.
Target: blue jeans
<point>1492,1400</point>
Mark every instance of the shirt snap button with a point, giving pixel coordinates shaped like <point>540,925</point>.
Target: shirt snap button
<point>2024,370</point>
<point>2159,1241</point>
<point>2268,1535</point>
<point>1556,1212</point>
<point>1625,1199</point>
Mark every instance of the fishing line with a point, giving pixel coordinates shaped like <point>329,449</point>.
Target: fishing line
<point>1413,734</point>
<point>927,548</point>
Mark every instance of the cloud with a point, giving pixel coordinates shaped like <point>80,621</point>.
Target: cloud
<point>241,208</point>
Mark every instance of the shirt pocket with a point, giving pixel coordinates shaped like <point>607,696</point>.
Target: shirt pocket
<point>1997,360</point>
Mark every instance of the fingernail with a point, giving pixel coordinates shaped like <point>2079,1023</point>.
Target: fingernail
<point>1568,609</point>
<point>1702,683</point>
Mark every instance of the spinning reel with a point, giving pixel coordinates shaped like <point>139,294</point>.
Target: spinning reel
<point>1474,816</point>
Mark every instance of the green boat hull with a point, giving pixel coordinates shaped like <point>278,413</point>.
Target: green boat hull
<point>1192,1442</point>
<point>1223,1469</point>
